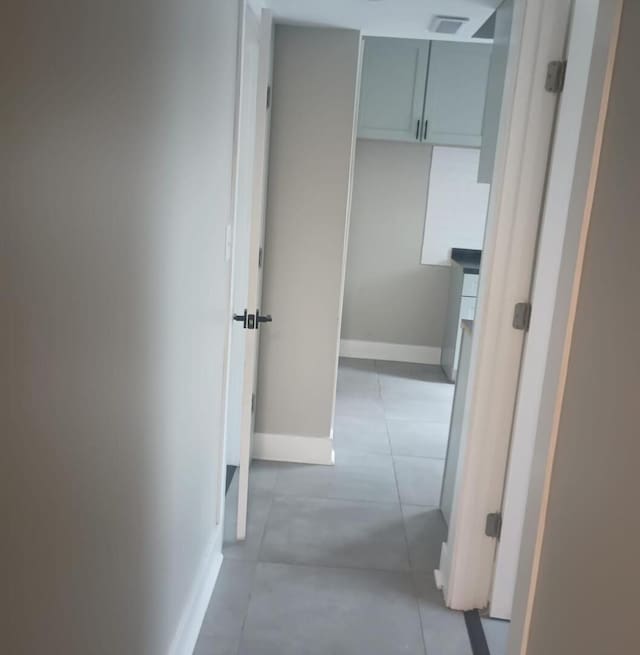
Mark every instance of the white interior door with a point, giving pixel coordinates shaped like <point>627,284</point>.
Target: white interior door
<point>251,202</point>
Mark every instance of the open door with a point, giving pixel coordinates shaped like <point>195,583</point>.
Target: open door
<point>253,137</point>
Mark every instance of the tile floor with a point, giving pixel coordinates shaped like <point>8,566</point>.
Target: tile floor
<point>339,560</point>
<point>496,633</point>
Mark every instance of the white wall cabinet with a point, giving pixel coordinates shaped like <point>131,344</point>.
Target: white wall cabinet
<point>394,75</point>
<point>423,91</point>
<point>456,91</point>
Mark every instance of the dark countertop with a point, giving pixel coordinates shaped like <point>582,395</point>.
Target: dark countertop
<point>468,259</point>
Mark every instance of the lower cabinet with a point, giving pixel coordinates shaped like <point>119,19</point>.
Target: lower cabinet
<point>463,292</point>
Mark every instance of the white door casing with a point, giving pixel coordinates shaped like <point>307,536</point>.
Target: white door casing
<point>559,291</point>
<point>538,36</point>
<point>577,119</point>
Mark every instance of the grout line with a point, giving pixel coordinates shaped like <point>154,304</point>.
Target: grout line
<point>342,567</point>
<point>437,459</point>
<point>382,503</point>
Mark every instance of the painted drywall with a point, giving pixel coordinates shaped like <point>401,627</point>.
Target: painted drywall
<point>456,205</point>
<point>586,597</point>
<point>409,19</point>
<point>389,296</point>
<point>117,137</point>
<point>314,97</point>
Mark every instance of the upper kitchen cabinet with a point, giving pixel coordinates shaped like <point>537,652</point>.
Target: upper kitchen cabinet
<point>394,74</point>
<point>423,91</point>
<point>456,90</point>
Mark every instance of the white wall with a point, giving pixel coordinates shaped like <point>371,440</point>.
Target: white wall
<point>389,295</point>
<point>314,96</point>
<point>117,128</point>
<point>586,597</point>
<point>456,205</point>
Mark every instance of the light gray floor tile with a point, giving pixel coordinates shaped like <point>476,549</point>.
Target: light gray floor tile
<point>361,434</point>
<point>258,510</point>
<point>419,480</point>
<point>335,547</point>
<point>408,371</point>
<point>335,533</point>
<point>417,390</point>
<point>262,475</point>
<point>445,631</point>
<point>224,620</point>
<point>217,645</point>
<point>497,634</point>
<point>418,438</point>
<point>356,364</point>
<point>426,530</point>
<point>355,476</point>
<point>300,610</point>
<point>359,403</point>
<point>357,375</point>
<point>398,406</point>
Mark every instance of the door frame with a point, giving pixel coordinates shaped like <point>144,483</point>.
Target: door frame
<point>554,290</point>
<point>592,41</point>
<point>539,31</point>
<point>562,305</point>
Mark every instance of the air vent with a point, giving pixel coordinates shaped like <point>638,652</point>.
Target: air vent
<point>447,24</point>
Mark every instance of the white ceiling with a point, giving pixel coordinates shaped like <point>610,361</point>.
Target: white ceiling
<point>399,18</point>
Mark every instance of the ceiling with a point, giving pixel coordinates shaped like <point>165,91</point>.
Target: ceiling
<point>398,18</point>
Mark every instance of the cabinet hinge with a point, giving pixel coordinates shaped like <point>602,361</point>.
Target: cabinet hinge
<point>260,258</point>
<point>493,525</point>
<point>522,316</point>
<point>556,72</point>
<point>268,96</point>
<point>253,403</point>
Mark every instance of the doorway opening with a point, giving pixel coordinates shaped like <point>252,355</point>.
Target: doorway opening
<point>342,479</point>
<point>428,121</point>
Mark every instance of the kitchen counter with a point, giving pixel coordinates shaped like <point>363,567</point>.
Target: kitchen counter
<point>468,259</point>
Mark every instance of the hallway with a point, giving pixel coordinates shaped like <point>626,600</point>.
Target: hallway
<point>339,560</point>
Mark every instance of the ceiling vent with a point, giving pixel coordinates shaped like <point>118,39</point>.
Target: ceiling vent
<point>447,24</point>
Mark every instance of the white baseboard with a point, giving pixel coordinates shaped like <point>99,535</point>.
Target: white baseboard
<point>195,609</point>
<point>441,574</point>
<point>293,448</point>
<point>392,352</point>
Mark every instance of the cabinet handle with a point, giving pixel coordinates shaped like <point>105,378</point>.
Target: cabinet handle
<point>418,131</point>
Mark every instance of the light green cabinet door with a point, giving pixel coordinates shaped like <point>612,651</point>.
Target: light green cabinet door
<point>394,73</point>
<point>456,90</point>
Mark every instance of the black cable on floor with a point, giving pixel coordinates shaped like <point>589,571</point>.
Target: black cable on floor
<point>475,630</point>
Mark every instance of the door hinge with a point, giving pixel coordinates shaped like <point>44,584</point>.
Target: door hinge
<point>253,403</point>
<point>268,96</point>
<point>522,316</point>
<point>260,258</point>
<point>493,525</point>
<point>556,72</point>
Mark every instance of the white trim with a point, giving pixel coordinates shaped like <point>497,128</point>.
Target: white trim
<point>579,113</point>
<point>345,249</point>
<point>293,448</point>
<point>391,352</point>
<point>528,110</point>
<point>195,608</point>
<point>564,310</point>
